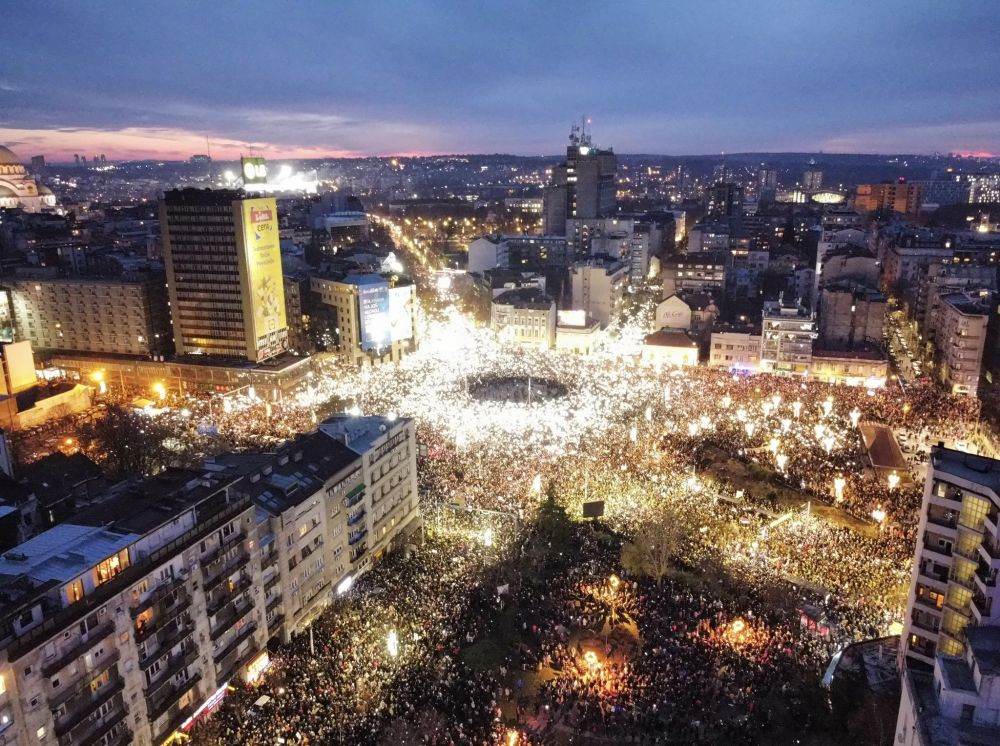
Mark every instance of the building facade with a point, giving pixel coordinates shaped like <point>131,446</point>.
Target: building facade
<point>787,334</point>
<point>224,278</point>
<point>127,622</point>
<point>525,317</point>
<point>582,186</point>
<point>375,316</point>
<point>953,583</point>
<point>598,286</point>
<point>81,314</point>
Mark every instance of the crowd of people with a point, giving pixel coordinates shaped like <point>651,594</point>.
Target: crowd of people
<point>766,590</point>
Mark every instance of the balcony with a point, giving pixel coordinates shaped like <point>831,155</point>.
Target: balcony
<point>225,545</point>
<point>174,665</point>
<point>227,569</point>
<point>356,518</point>
<point>928,624</point>
<point>244,634</point>
<point>357,536</point>
<point>354,496</point>
<point>81,684</point>
<point>169,696</point>
<point>174,722</point>
<point>77,651</point>
<point>164,596</point>
<point>228,667</point>
<point>86,706</point>
<point>930,574</point>
<point>942,520</point>
<point>227,594</point>
<point>229,615</point>
<point>170,637</point>
<point>922,646</point>
<point>966,583</point>
<point>112,731</point>
<point>983,604</point>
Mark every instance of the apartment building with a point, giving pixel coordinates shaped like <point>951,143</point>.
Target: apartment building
<point>125,623</point>
<point>787,334</point>
<point>700,273</point>
<point>81,314</point>
<point>391,515</point>
<point>524,316</point>
<point>960,337</point>
<point>953,586</point>
<point>120,623</point>
<point>957,703</point>
<point>735,348</point>
<point>598,286</point>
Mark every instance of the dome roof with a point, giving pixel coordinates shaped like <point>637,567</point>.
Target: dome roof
<point>7,157</point>
<point>43,190</point>
<point>6,191</point>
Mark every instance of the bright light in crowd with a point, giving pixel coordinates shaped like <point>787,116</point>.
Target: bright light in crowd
<point>893,481</point>
<point>855,417</point>
<point>838,488</point>
<point>488,537</point>
<point>878,514</point>
<point>345,585</point>
<point>392,643</point>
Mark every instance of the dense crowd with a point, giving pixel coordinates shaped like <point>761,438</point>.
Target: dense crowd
<point>741,458</point>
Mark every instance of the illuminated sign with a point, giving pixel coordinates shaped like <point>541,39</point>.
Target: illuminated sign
<point>265,284</point>
<point>256,667</point>
<point>386,314</point>
<point>254,170</point>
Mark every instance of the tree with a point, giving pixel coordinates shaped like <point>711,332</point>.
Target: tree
<point>126,443</point>
<point>656,544</point>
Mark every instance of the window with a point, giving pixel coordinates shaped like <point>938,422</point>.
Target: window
<point>40,733</point>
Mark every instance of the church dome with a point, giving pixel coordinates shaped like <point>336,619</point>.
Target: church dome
<point>6,191</point>
<point>7,157</point>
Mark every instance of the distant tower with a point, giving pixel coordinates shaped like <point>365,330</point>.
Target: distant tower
<point>76,157</point>
<point>812,180</point>
<point>582,186</point>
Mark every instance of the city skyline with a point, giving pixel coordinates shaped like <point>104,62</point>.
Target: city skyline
<point>311,81</point>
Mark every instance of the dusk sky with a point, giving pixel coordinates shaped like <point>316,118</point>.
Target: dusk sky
<point>312,78</point>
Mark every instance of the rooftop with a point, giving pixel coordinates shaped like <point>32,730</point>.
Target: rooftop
<point>64,552</point>
<point>530,297</point>
<point>667,338</point>
<point>970,467</point>
<point>985,644</point>
<point>141,507</point>
<point>359,433</point>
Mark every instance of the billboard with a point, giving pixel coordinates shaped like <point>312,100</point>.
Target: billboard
<point>254,170</point>
<point>386,314</point>
<point>263,274</point>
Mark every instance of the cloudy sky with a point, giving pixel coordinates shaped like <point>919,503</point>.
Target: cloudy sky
<point>328,77</point>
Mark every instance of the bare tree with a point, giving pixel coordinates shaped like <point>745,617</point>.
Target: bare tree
<point>126,443</point>
<point>656,544</point>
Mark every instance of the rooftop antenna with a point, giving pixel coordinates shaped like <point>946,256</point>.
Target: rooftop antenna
<point>208,147</point>
<point>574,134</point>
<point>584,137</point>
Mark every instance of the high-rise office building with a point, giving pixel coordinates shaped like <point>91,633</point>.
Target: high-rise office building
<point>224,274</point>
<point>767,183</point>
<point>582,186</point>
<point>954,582</point>
<point>812,180</point>
<point>725,200</point>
